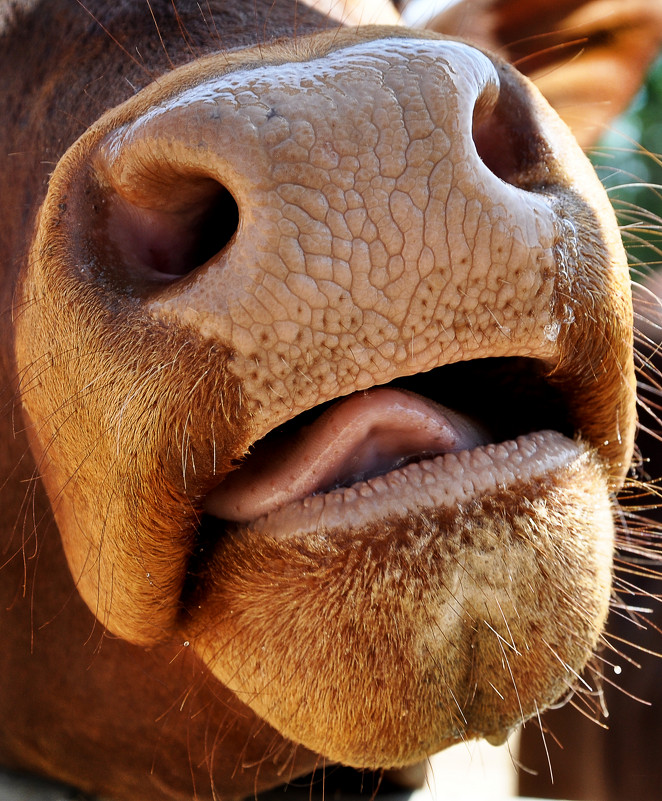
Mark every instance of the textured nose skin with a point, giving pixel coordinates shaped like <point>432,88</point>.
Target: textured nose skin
<point>372,239</point>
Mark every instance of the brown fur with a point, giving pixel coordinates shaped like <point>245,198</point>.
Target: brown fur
<point>378,592</point>
<point>194,664</point>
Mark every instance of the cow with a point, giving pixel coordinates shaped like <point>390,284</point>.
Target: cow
<point>263,264</point>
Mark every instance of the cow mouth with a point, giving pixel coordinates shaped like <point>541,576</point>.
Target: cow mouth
<point>404,432</point>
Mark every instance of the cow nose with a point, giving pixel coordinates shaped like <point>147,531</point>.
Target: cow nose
<point>337,222</point>
<point>340,147</point>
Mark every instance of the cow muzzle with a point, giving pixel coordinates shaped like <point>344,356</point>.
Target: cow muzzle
<point>345,337</point>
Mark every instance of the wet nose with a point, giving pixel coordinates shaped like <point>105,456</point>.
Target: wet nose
<point>335,221</point>
<point>304,225</point>
<point>303,156</point>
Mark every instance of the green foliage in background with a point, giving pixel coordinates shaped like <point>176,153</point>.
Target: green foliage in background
<point>629,163</point>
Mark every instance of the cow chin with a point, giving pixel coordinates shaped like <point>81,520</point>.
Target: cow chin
<point>381,645</point>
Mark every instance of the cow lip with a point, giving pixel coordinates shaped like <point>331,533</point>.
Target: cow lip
<point>518,384</point>
<point>444,481</point>
<point>359,437</point>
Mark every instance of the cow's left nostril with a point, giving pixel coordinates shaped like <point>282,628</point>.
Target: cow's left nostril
<point>194,219</point>
<point>507,139</point>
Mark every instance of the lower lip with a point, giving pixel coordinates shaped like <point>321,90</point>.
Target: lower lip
<point>441,482</point>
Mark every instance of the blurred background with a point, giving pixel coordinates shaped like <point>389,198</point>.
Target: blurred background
<point>629,162</point>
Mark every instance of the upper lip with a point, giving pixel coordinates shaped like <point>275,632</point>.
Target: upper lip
<point>509,397</point>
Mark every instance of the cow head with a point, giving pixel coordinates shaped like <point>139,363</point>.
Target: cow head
<point>322,350</point>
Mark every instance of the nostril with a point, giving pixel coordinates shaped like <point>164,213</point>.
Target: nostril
<point>172,229</point>
<point>496,146</point>
<point>507,138</point>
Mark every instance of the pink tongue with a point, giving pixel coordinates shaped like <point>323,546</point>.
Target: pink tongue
<point>364,435</point>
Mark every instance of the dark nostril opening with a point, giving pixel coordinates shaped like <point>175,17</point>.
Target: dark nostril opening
<point>508,140</point>
<point>173,230</point>
<point>494,146</point>
<point>218,225</point>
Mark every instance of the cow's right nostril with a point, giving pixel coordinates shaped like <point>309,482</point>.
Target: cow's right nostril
<point>167,234</point>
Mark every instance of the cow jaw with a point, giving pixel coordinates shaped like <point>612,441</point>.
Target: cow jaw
<point>379,641</point>
<point>425,578</point>
<point>373,633</point>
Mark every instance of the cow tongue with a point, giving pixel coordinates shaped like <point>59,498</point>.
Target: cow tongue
<point>364,435</point>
